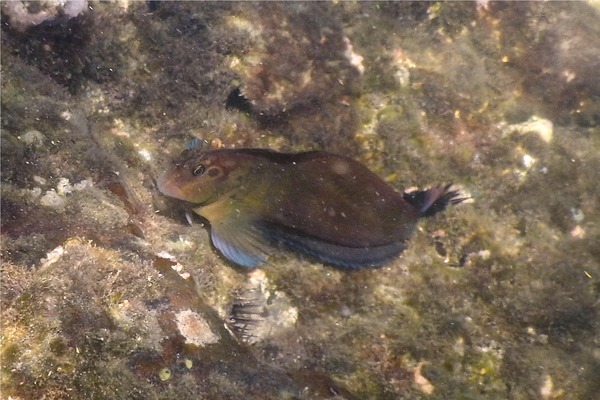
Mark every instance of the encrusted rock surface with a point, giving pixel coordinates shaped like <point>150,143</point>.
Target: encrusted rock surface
<point>108,292</point>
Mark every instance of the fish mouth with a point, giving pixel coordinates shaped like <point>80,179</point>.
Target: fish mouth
<point>167,185</point>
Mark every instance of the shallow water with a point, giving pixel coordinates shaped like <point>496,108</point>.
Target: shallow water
<point>108,292</point>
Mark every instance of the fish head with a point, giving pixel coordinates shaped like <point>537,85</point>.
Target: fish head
<point>203,177</point>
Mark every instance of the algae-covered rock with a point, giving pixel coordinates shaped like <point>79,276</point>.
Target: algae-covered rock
<point>110,290</point>
<point>295,71</point>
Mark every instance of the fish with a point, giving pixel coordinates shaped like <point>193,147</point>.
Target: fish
<point>328,207</point>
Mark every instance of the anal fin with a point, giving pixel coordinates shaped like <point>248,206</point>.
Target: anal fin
<point>331,253</point>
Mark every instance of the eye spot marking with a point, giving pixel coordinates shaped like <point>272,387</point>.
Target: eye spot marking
<point>214,171</point>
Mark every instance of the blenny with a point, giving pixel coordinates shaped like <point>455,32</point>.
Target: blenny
<point>327,206</point>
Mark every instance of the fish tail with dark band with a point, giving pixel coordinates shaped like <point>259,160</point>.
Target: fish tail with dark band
<point>435,199</point>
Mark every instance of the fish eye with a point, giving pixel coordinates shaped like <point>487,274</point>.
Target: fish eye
<point>199,170</point>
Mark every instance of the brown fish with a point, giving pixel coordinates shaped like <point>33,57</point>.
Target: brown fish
<point>321,204</point>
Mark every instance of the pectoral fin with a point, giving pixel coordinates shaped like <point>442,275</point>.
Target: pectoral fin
<point>240,243</point>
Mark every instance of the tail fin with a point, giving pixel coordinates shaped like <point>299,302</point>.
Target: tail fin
<point>435,199</point>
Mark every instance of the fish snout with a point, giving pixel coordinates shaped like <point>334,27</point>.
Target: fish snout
<point>167,184</point>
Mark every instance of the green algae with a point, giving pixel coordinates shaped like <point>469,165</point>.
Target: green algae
<point>496,299</point>
<point>164,374</point>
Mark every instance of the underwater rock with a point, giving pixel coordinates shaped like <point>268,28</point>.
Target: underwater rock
<point>296,73</point>
<point>557,52</point>
<point>292,60</point>
<point>500,303</point>
<point>25,14</point>
<point>149,325</point>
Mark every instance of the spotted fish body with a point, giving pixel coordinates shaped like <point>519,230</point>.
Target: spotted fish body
<point>324,205</point>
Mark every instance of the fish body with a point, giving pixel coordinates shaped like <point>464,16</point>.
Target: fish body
<point>325,205</point>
